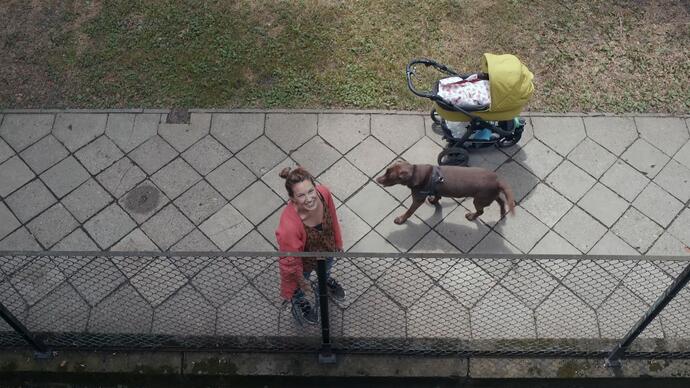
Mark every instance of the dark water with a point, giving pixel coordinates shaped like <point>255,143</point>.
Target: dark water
<point>129,381</point>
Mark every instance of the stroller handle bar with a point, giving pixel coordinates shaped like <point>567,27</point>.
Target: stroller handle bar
<point>409,70</point>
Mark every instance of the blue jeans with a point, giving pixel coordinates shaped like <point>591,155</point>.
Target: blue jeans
<point>299,294</point>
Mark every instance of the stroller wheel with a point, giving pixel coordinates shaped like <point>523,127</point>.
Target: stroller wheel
<point>453,156</point>
<point>510,141</point>
<point>435,117</point>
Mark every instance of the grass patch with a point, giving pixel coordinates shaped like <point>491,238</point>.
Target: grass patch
<point>600,55</point>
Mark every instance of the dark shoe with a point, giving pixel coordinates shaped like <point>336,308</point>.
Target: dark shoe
<point>303,311</point>
<point>335,290</point>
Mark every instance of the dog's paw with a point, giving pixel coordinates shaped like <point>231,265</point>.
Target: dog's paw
<point>471,216</point>
<point>399,220</point>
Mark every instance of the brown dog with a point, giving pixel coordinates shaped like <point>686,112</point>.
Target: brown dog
<point>434,182</point>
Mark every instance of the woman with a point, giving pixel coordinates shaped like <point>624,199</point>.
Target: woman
<point>308,224</point>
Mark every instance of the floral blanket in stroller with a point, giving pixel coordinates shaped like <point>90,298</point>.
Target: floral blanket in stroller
<point>468,93</point>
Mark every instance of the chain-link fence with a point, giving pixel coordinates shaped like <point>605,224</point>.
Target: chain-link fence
<point>513,305</point>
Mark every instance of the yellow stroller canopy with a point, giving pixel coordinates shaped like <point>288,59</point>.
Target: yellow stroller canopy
<point>510,84</point>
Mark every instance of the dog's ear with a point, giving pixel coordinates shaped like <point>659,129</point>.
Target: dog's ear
<point>404,174</point>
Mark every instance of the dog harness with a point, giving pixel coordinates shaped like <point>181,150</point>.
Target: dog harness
<point>436,178</point>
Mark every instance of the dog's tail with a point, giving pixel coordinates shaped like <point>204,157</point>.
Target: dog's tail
<point>508,193</point>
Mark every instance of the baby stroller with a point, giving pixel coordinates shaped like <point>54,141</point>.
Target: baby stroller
<point>486,104</point>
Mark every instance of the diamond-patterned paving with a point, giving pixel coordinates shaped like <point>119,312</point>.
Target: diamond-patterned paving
<point>131,182</point>
<point>577,176</point>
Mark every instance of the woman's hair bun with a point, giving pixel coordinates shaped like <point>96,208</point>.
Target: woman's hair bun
<point>284,172</point>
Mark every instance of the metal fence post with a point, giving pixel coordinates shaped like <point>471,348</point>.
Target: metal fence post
<point>326,355</point>
<point>613,359</point>
<point>38,345</point>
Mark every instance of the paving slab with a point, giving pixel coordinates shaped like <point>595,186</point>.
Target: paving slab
<point>552,243</point>
<point>30,200</point>
<point>683,155</point>
<point>75,130</point>
<point>226,227</point>
<point>290,131</point>
<point>196,241</point>
<point>167,227</point>
<point>637,230</point>
<point>78,240</point>
<point>129,130</point>
<point>236,131</point>
<point>580,229</point>
<point>182,136</point>
<point>666,133</point>
<point>537,158</point>
<point>22,240</point>
<point>675,178</point>
<point>175,178</point>
<point>8,222</point>
<point>372,203</point>
<point>257,202</point>
<point>22,130</point>
<point>370,156</point>
<point>87,200</point>
<point>603,204</point>
<point>657,204</point>
<point>561,134</point>
<point>592,158</point>
<point>397,132</point>
<point>624,180</point>
<point>495,243</point>
<point>5,151</point>
<point>546,204</point>
<point>206,154</point>
<point>99,155</point>
<point>153,154</point>
<point>109,226</point>
<point>523,230</point>
<point>14,173</point>
<point>121,177</point>
<point>645,158</point>
<point>44,153</point>
<point>614,133</point>
<point>136,240</point>
<point>52,225</point>
<point>200,202</point>
<point>344,131</point>
<point>143,201</point>
<point>65,176</point>
<point>316,154</point>
<point>402,237</point>
<point>261,156</point>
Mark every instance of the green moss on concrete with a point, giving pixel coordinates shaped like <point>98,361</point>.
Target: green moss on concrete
<point>570,369</point>
<point>657,366</point>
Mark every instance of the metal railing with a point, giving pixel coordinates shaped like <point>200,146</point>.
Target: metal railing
<point>430,304</point>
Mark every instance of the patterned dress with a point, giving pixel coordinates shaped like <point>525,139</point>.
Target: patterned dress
<point>319,239</point>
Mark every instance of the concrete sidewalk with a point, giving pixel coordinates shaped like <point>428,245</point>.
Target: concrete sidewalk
<point>126,180</point>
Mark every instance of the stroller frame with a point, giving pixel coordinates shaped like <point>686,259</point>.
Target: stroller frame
<point>456,151</point>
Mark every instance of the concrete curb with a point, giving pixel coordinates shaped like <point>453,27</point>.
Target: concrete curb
<point>347,365</point>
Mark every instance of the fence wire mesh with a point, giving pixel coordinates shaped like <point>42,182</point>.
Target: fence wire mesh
<point>402,304</point>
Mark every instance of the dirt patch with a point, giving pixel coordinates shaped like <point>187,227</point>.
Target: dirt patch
<point>36,36</point>
<point>31,30</point>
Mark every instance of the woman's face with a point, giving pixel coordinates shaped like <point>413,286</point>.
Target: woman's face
<point>304,195</point>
